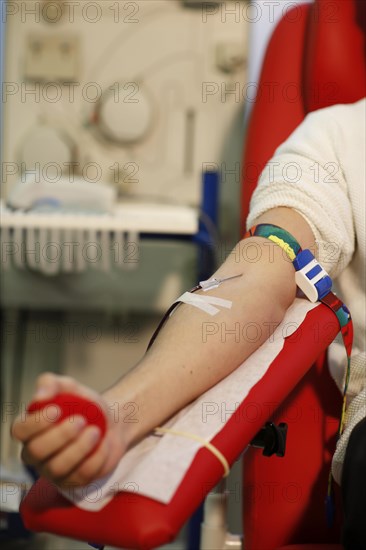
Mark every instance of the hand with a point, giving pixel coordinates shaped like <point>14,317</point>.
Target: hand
<point>68,453</point>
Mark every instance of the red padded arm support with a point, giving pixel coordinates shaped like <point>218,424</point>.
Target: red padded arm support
<point>119,523</point>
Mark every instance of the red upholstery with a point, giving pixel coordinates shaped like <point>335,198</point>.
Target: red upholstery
<point>286,495</point>
<point>315,58</point>
<point>334,67</point>
<point>278,109</point>
<point>317,51</point>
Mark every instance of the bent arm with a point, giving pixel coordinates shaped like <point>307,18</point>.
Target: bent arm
<point>186,359</point>
<point>194,351</point>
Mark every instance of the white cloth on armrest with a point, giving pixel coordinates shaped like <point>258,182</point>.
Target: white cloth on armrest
<point>156,466</point>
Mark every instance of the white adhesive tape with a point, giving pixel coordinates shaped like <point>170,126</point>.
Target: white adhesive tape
<point>205,303</point>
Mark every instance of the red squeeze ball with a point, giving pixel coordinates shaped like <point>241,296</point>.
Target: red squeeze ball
<point>72,405</point>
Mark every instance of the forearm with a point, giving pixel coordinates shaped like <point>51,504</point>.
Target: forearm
<point>194,351</point>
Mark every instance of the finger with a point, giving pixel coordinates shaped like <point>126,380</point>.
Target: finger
<point>28,426</point>
<point>52,441</point>
<point>68,459</point>
<point>90,469</point>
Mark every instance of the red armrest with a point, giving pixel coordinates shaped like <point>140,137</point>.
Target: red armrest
<point>120,524</point>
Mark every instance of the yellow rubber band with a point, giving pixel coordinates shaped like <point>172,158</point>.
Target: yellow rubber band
<point>285,246</point>
<point>206,444</point>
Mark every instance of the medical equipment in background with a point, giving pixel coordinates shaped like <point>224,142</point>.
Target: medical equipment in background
<point>146,107</point>
<point>65,195</point>
<point>66,94</point>
<point>214,531</point>
<point>123,110</point>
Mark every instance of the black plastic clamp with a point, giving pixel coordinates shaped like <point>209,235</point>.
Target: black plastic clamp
<point>272,439</point>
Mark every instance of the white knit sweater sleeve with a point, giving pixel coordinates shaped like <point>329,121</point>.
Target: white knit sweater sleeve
<point>306,174</point>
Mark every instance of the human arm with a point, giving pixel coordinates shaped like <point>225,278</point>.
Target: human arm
<point>181,364</point>
<point>194,351</point>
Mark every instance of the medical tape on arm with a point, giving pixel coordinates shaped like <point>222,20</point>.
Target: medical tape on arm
<point>207,306</point>
<point>205,303</point>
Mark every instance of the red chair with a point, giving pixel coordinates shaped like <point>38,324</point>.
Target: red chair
<point>320,50</point>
